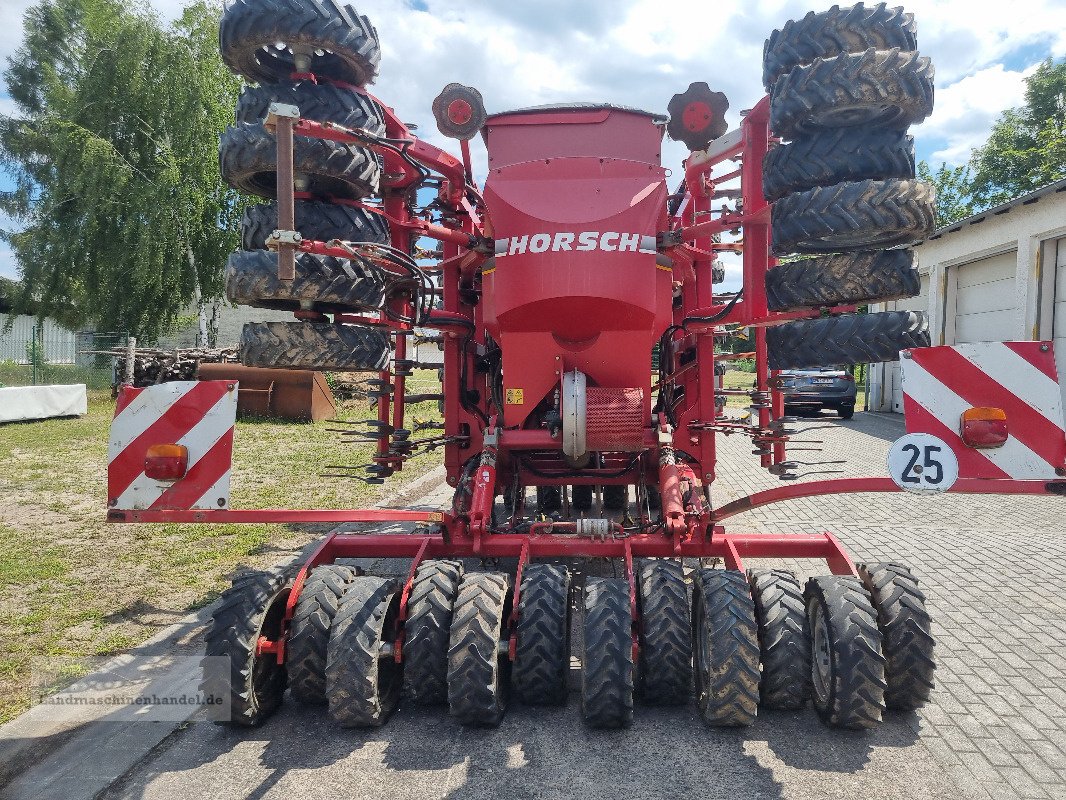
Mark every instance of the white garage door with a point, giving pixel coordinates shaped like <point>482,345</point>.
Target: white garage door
<point>985,300</point>
<point>895,383</point>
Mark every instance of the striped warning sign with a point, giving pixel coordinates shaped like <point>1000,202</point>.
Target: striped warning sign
<point>197,414</point>
<point>940,383</point>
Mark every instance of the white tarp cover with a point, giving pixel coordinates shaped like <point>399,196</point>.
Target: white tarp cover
<point>42,402</point>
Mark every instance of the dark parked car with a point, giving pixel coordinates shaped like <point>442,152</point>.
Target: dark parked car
<point>815,389</point>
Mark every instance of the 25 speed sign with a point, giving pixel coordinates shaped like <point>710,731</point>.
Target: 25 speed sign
<point>922,463</point>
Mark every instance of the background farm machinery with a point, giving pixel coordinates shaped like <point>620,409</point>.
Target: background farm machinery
<point>549,288</point>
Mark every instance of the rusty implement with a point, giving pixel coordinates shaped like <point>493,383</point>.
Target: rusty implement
<point>282,393</point>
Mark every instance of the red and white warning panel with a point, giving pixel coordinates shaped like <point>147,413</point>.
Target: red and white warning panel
<point>997,405</point>
<point>171,446</point>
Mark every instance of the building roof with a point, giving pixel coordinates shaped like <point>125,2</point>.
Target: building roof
<point>1026,199</point>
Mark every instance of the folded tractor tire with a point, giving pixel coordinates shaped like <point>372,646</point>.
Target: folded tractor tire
<point>257,39</point>
<point>248,158</point>
<point>314,345</point>
<point>875,89</point>
<point>321,102</point>
<point>853,29</point>
<point>322,283</point>
<point>829,158</point>
<point>862,215</point>
<point>847,339</point>
<point>320,222</point>
<point>861,277</point>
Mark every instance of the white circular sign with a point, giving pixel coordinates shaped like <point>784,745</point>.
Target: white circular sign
<point>922,463</point>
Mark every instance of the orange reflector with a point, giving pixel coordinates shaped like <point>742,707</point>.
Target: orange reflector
<point>166,462</point>
<point>984,427</point>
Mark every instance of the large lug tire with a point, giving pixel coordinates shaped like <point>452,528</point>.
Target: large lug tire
<point>860,215</point>
<point>313,345</point>
<point>725,642</point>
<point>477,671</point>
<point>847,278</point>
<point>906,635</point>
<point>322,283</point>
<point>847,667</point>
<point>321,102</point>
<point>825,159</point>
<point>847,339</point>
<point>874,89</point>
<point>343,44</point>
<point>255,683</point>
<point>429,618</point>
<point>317,221</point>
<point>665,633</point>
<point>615,498</point>
<point>542,654</point>
<point>607,669</point>
<point>309,629</point>
<point>853,29</point>
<point>248,160</point>
<point>784,650</point>
<point>362,683</point>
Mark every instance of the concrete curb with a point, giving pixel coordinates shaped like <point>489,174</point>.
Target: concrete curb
<point>79,757</point>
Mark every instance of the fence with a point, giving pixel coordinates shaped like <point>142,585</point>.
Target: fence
<point>38,355</point>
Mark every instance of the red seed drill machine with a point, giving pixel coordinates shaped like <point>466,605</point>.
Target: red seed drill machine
<point>550,289</point>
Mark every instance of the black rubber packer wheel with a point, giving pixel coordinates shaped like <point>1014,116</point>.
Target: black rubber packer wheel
<point>542,655</point>
<point>855,215</point>
<point>363,685</point>
<point>607,654</point>
<point>314,345</point>
<point>321,102</point>
<point>847,278</point>
<point>549,499</point>
<point>429,618</point>
<point>317,221</point>
<point>784,650</point>
<point>847,339</point>
<point>906,635</point>
<point>847,668</point>
<point>343,45</point>
<point>309,629</point>
<point>852,29</point>
<point>322,283</point>
<point>725,644</point>
<point>874,89</point>
<point>665,633</point>
<point>248,160</point>
<point>478,674</point>
<point>830,157</point>
<point>581,497</point>
<point>253,606</point>
<point>615,498</point>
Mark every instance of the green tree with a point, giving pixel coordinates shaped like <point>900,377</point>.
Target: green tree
<point>1027,146</point>
<point>954,191</point>
<point>124,218</point>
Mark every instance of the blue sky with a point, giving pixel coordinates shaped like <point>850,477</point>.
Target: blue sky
<point>640,52</point>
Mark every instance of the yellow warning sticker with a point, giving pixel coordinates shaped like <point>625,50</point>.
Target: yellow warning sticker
<point>515,397</point>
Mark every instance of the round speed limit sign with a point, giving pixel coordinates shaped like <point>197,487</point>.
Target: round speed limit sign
<point>922,463</point>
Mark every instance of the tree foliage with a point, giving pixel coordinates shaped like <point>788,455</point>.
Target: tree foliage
<point>114,156</point>
<point>1027,146</point>
<point>954,191</point>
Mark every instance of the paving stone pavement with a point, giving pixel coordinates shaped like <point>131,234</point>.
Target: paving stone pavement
<point>990,567</point>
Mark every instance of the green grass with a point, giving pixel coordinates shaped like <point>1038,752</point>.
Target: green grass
<point>12,374</point>
<point>73,585</point>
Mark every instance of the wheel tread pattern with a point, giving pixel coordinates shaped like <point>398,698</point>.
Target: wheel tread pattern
<point>784,649</point>
<point>314,345</point>
<point>845,278</point>
<point>846,339</point>
<point>607,669</point>
<point>857,692</point>
<point>318,221</point>
<point>324,283</point>
<point>322,102</point>
<point>477,679</point>
<point>308,637</point>
<point>666,633</point>
<point>429,618</point>
<point>906,634</point>
<point>727,693</point>
<point>542,655</point>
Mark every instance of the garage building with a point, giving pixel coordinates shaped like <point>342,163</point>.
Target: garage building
<point>996,276</point>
